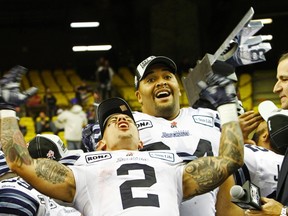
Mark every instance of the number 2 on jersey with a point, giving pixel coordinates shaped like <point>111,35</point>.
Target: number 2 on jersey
<point>126,188</point>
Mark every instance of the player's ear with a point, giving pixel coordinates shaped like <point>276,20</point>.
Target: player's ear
<point>140,145</point>
<point>180,92</point>
<point>101,146</point>
<point>138,95</point>
<point>265,136</point>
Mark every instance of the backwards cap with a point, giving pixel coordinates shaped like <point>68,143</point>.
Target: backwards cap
<point>109,107</point>
<point>49,146</point>
<point>277,121</point>
<point>151,60</point>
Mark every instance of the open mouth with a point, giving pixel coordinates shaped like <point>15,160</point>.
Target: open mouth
<point>123,125</point>
<point>163,94</point>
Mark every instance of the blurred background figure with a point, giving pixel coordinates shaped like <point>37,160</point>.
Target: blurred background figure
<point>97,96</point>
<point>91,114</point>
<point>34,105</point>
<point>43,124</point>
<point>104,76</point>
<point>59,126</point>
<point>34,100</point>
<point>73,121</point>
<point>82,95</point>
<point>50,101</point>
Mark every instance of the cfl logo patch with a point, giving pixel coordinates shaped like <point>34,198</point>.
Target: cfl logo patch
<point>174,125</point>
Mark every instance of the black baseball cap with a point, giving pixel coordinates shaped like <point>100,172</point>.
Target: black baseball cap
<point>112,106</point>
<point>148,62</point>
<point>49,146</point>
<point>278,129</point>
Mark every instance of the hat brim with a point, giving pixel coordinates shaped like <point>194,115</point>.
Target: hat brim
<point>266,109</point>
<point>143,67</point>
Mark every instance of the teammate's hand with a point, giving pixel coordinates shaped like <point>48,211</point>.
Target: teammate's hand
<point>249,121</point>
<point>218,90</point>
<point>10,95</point>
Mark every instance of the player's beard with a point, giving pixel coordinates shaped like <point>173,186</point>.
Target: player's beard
<point>166,110</point>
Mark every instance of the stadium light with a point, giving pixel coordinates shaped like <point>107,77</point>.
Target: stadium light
<point>91,48</point>
<point>84,24</point>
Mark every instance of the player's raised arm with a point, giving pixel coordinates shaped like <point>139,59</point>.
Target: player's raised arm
<point>205,174</point>
<point>45,175</point>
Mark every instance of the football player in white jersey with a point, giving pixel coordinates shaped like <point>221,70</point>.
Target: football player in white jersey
<point>17,197</point>
<point>190,131</point>
<point>261,163</point>
<point>268,165</point>
<point>263,158</point>
<point>122,180</point>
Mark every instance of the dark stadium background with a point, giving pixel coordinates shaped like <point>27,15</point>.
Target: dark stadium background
<point>37,34</point>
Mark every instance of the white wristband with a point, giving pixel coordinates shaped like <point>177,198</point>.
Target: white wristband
<point>227,113</point>
<point>7,113</point>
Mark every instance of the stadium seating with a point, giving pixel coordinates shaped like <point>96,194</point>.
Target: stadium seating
<point>245,91</point>
<point>29,123</point>
<point>61,84</point>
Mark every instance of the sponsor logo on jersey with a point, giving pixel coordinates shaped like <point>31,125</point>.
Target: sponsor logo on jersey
<point>92,158</point>
<point>175,134</point>
<point>204,120</point>
<point>142,124</point>
<point>163,156</point>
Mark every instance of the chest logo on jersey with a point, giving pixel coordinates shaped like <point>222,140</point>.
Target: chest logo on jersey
<point>97,157</point>
<point>204,120</point>
<point>175,134</point>
<point>163,156</point>
<point>142,124</point>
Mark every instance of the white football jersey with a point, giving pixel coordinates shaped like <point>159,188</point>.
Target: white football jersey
<point>194,132</point>
<point>128,183</point>
<point>261,167</point>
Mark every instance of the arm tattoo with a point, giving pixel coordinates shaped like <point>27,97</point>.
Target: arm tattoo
<point>207,173</point>
<point>51,171</point>
<point>13,143</point>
